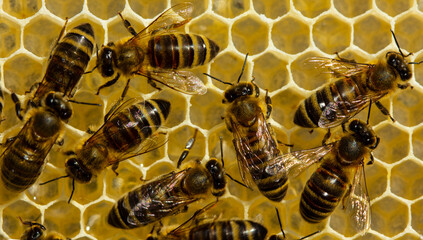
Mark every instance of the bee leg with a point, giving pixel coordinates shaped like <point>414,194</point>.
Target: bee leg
<point>285,144</point>
<point>372,159</point>
<point>188,147</point>
<point>326,137</point>
<point>384,110</point>
<point>346,195</point>
<point>8,140</point>
<point>115,167</point>
<point>153,84</point>
<point>61,142</point>
<point>90,131</point>
<point>344,59</point>
<point>128,25</point>
<point>33,87</point>
<point>18,108</point>
<point>69,153</point>
<point>107,84</point>
<point>268,101</point>
<point>404,86</point>
<point>311,131</point>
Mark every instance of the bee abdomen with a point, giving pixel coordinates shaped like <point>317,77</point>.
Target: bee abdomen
<point>340,92</point>
<point>69,60</point>
<point>322,193</point>
<point>274,187</point>
<point>120,217</point>
<point>19,168</point>
<point>230,229</point>
<point>180,50</point>
<point>129,128</point>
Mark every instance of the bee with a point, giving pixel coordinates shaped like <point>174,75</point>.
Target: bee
<point>170,194</point>
<point>67,64</point>
<point>358,85</point>
<point>158,53</point>
<point>254,140</point>
<point>339,176</point>
<point>218,230</point>
<point>23,159</point>
<point>36,232</point>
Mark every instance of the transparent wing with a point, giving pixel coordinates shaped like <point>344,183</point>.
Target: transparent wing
<point>156,199</point>
<point>248,160</point>
<point>338,112</point>
<point>179,80</point>
<point>295,163</point>
<point>357,203</point>
<point>174,17</point>
<point>340,67</point>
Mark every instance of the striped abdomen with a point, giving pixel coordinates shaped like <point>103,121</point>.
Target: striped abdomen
<point>180,50</point>
<point>149,202</point>
<point>323,192</point>
<point>274,187</point>
<point>133,125</point>
<point>23,160</point>
<point>230,229</point>
<point>68,62</point>
<point>341,92</point>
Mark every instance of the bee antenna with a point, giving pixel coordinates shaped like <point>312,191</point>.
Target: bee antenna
<point>188,147</point>
<point>54,179</point>
<point>85,103</point>
<point>280,222</point>
<point>221,151</point>
<point>316,232</point>
<point>240,183</point>
<point>243,66</point>
<point>217,79</point>
<point>73,190</point>
<point>415,62</point>
<point>396,42</point>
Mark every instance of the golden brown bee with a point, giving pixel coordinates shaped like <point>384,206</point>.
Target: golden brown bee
<point>36,232</point>
<point>339,176</point>
<point>358,85</point>
<point>169,194</point>
<point>23,159</point>
<point>159,54</point>
<point>254,140</point>
<point>67,63</point>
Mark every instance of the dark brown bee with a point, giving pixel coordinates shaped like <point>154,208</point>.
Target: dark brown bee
<point>358,85</point>
<point>67,63</point>
<point>339,176</point>
<point>159,54</point>
<point>218,230</point>
<point>254,140</point>
<point>23,159</point>
<point>36,232</point>
<point>169,194</point>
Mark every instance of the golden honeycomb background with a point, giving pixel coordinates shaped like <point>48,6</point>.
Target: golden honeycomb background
<point>279,35</point>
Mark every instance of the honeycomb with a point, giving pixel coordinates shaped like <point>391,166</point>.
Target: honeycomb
<point>279,35</point>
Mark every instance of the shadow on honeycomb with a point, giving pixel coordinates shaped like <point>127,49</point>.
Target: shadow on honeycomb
<point>279,36</point>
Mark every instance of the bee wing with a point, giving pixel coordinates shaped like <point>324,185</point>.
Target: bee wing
<point>156,202</point>
<point>340,67</point>
<point>338,112</point>
<point>182,81</point>
<point>248,160</point>
<point>152,143</point>
<point>174,17</point>
<point>296,162</point>
<point>357,203</point>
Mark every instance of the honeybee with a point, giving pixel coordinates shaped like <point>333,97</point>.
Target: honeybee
<point>218,230</point>
<point>158,53</point>
<point>339,176</point>
<point>36,232</point>
<point>358,85</point>
<point>23,159</point>
<point>169,194</point>
<point>67,63</point>
<point>254,140</point>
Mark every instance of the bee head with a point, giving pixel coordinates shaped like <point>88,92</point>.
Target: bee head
<point>216,171</point>
<point>363,133</point>
<point>76,171</point>
<point>34,233</point>
<point>397,62</point>
<point>106,60</point>
<point>59,106</point>
<point>239,90</point>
